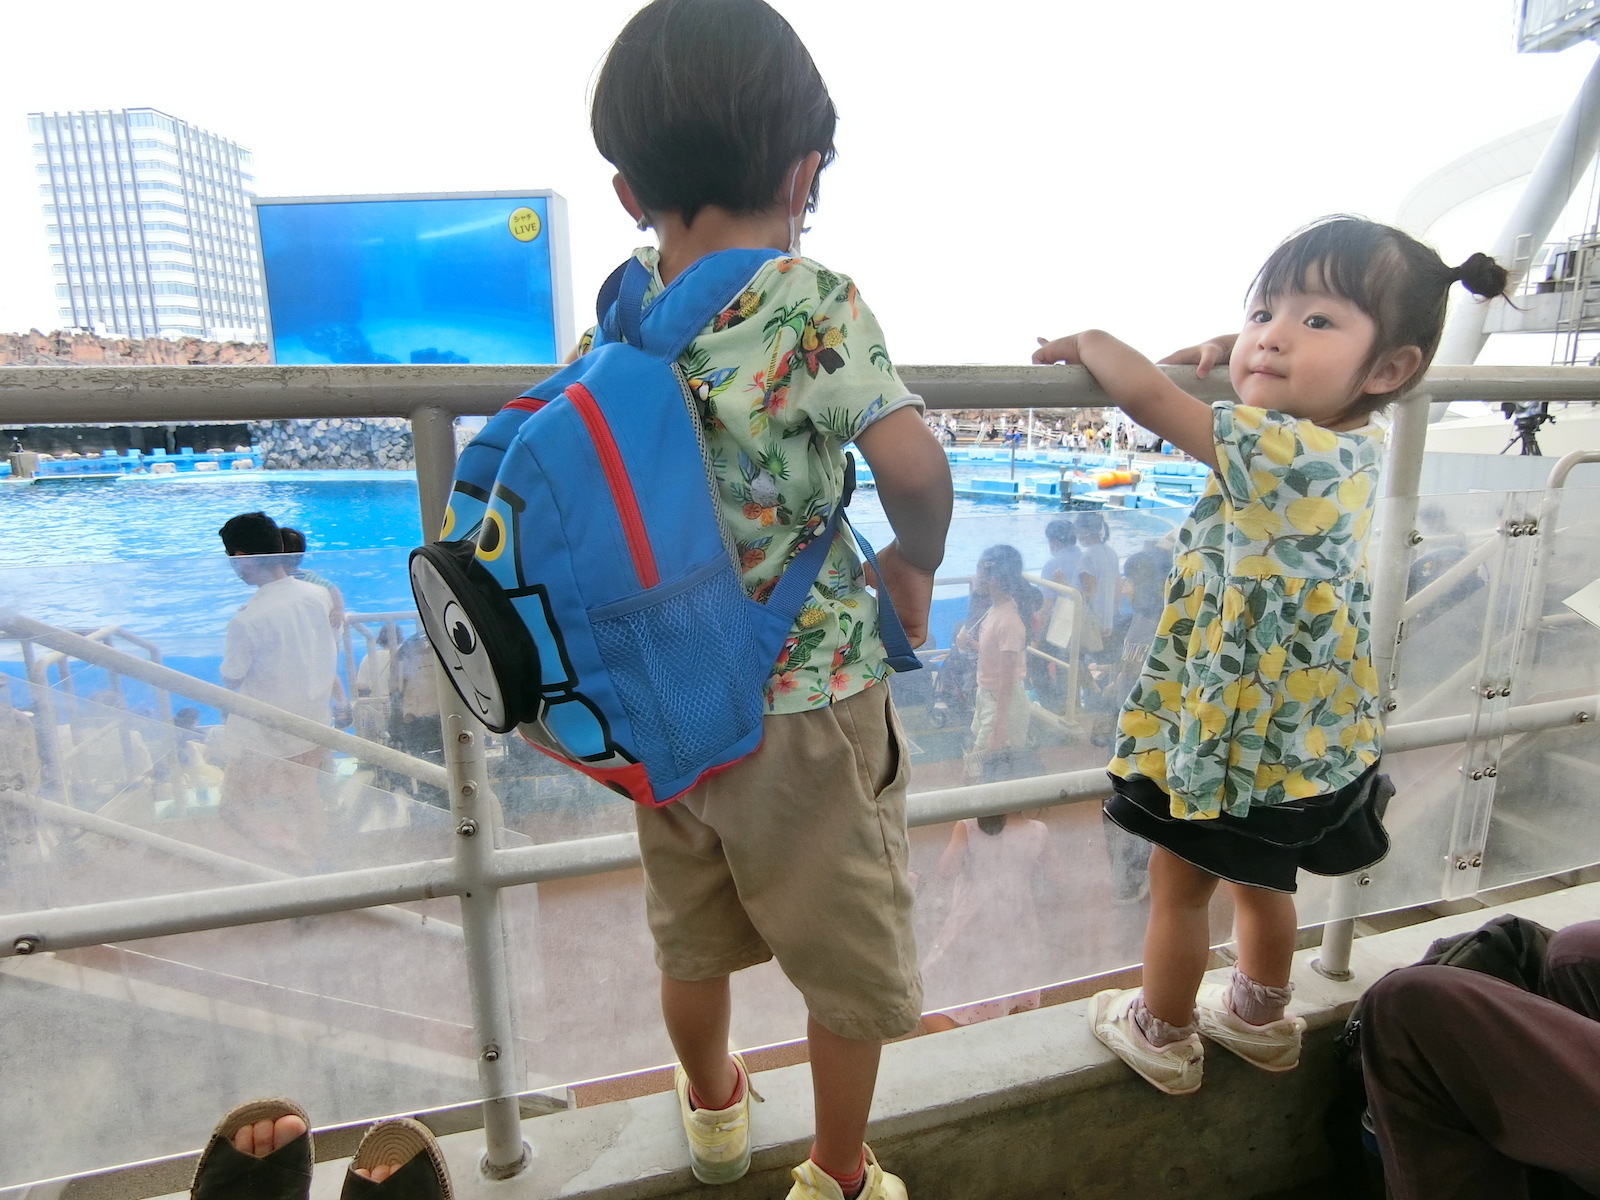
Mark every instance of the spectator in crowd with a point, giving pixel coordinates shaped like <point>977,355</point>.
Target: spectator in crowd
<point>280,649</point>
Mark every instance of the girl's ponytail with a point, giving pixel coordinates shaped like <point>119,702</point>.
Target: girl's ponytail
<point>1481,276</point>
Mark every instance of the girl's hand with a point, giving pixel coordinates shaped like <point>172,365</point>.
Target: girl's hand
<point>1202,358</point>
<point>1061,350</point>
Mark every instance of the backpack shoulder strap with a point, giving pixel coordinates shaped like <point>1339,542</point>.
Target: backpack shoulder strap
<point>668,324</point>
<point>803,569</point>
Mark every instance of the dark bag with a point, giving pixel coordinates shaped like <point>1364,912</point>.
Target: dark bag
<point>1509,948</point>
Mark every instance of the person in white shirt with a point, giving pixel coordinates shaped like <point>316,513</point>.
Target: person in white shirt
<point>280,649</point>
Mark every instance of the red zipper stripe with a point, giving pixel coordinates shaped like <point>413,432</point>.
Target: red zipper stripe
<point>527,404</point>
<point>616,473</point>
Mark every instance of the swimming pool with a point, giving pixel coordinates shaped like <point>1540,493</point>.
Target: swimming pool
<point>143,553</point>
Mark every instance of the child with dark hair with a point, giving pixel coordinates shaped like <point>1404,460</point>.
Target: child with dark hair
<point>294,551</point>
<point>719,124</point>
<point>1248,749</point>
<point>999,639</point>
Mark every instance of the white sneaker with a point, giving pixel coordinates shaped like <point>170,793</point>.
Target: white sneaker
<point>1274,1046</point>
<point>1175,1068</point>
<point>719,1138</point>
<point>811,1182</point>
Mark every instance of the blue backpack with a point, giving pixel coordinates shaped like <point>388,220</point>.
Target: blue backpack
<point>585,590</point>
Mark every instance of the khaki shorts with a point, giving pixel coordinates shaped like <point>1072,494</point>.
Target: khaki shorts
<point>798,852</point>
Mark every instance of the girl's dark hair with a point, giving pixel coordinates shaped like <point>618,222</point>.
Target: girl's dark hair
<point>1396,280</point>
<point>992,825</point>
<point>1006,563</point>
<point>710,102</point>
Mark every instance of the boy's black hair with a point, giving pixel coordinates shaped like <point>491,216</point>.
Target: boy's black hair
<point>251,533</point>
<point>1401,283</point>
<point>710,102</point>
<point>294,542</point>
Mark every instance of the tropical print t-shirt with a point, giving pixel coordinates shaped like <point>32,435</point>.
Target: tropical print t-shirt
<point>788,374</point>
<point>1259,686</point>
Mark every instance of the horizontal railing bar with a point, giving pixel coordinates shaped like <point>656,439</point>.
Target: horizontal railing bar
<point>73,645</point>
<point>245,904</point>
<point>127,920</point>
<point>41,395</point>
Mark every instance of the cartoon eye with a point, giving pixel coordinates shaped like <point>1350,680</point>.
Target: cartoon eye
<point>461,635</point>
<point>492,537</point>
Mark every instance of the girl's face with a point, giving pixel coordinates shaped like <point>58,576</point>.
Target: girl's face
<point>1304,354</point>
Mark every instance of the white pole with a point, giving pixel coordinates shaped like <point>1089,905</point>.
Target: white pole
<point>1572,146</point>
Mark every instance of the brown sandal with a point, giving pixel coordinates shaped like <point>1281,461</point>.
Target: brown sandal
<point>225,1173</point>
<point>422,1174</point>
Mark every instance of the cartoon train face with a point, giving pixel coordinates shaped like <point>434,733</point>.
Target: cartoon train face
<point>497,637</point>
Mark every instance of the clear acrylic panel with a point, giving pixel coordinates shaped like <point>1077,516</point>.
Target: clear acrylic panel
<point>111,769</point>
<point>132,1051</point>
<point>1444,650</point>
<point>1546,818</point>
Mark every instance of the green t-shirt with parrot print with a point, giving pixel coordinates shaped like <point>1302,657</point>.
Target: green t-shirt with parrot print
<point>785,377</point>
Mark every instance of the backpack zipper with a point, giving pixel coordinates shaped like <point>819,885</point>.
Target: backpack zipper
<point>616,475</point>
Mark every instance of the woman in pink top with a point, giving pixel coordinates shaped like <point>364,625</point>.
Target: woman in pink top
<point>1000,639</point>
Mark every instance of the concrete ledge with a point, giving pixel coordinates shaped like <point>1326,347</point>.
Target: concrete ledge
<point>1020,1108</point>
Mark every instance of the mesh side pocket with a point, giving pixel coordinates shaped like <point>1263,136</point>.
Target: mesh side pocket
<point>688,674</point>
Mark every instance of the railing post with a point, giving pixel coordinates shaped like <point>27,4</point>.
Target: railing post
<point>483,930</point>
<point>1402,478</point>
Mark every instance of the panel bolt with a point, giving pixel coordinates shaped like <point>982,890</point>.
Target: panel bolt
<point>1363,880</point>
<point>1414,538</point>
<point>1475,861</point>
<point>491,1053</point>
<point>469,789</point>
<point>1462,864</point>
<point>28,944</point>
<point>467,828</point>
<point>1390,705</point>
<point>464,737</point>
<point>1491,772</point>
<point>1583,718</point>
<point>1476,775</point>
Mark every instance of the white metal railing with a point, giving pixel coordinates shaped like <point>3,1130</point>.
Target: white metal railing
<point>430,397</point>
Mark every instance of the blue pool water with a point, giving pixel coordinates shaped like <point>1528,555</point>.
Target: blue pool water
<point>144,553</point>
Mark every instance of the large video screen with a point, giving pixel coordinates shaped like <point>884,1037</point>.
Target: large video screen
<point>476,278</point>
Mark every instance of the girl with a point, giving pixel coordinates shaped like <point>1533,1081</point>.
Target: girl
<point>999,638</point>
<point>1248,748</point>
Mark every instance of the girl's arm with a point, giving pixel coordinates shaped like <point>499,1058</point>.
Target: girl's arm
<point>1139,389</point>
<point>1210,353</point>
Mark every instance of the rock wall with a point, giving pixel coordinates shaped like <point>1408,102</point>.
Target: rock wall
<point>58,349</point>
<point>335,443</point>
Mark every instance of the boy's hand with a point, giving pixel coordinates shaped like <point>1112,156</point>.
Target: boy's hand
<point>1208,354</point>
<point>1061,350</point>
<point>910,590</point>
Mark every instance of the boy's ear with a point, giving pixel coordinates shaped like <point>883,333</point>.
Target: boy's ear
<point>805,172</point>
<point>1393,372</point>
<point>625,194</point>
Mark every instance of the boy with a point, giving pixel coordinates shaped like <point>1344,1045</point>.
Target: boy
<point>718,123</point>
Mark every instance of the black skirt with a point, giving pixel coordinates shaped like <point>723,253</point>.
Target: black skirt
<point>1333,834</point>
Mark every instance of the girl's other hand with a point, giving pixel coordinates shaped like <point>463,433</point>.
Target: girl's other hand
<point>1203,357</point>
<point>1061,350</point>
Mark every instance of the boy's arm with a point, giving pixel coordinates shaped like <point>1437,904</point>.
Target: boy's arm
<point>913,481</point>
<point>1138,388</point>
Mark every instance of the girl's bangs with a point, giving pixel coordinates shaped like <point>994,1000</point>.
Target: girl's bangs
<point>1325,258</point>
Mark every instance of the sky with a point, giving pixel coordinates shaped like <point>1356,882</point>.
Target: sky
<point>1005,170</point>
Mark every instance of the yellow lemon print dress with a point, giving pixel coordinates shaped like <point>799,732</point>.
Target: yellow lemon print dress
<point>1259,688</point>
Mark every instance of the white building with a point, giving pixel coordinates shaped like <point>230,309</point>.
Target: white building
<point>150,225</point>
